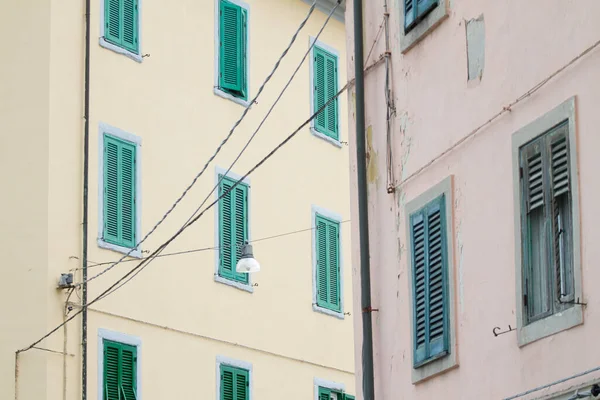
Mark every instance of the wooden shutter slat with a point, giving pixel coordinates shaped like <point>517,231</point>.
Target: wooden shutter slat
<point>322,269</point>
<point>128,371</point>
<point>127,190</point>
<point>241,385</point>
<point>226,227</point>
<point>111,371</point>
<point>409,13</point>
<point>418,238</point>
<point>227,383</point>
<point>535,181</point>
<point>334,278</point>
<point>111,189</point>
<point>240,227</point>
<point>560,166</point>
<point>331,68</point>
<point>320,89</point>
<point>231,51</point>
<point>112,16</point>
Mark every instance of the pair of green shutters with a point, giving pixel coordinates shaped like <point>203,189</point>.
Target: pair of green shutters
<point>120,371</point>
<point>121,21</point>
<point>233,227</point>
<point>328,263</point>
<point>431,333</point>
<point>235,383</point>
<point>415,11</point>
<point>233,47</point>
<point>119,192</point>
<point>325,394</point>
<point>325,85</point>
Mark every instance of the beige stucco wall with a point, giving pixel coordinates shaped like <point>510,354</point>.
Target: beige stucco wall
<point>184,318</point>
<point>436,107</point>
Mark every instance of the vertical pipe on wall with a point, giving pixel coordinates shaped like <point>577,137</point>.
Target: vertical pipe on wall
<point>84,258</point>
<point>363,218</point>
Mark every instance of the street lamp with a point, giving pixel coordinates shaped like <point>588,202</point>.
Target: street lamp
<point>247,263</point>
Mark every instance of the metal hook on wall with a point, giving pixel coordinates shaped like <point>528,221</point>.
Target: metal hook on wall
<point>496,329</point>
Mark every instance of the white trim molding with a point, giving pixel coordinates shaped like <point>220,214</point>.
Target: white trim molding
<point>242,286</point>
<point>311,45</point>
<point>449,361</point>
<point>129,137</point>
<point>318,382</point>
<point>326,6</point>
<point>120,338</point>
<point>117,49</point>
<point>571,316</point>
<point>337,218</point>
<point>216,90</point>
<point>222,360</point>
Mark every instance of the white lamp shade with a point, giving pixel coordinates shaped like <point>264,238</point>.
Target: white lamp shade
<point>247,265</point>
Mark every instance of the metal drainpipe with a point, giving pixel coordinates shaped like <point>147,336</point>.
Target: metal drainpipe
<point>363,217</point>
<point>84,258</point>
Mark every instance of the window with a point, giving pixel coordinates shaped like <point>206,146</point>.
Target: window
<point>325,86</point>
<point>331,394</point>
<point>120,371</point>
<point>429,230</point>
<point>546,212</point>
<point>233,49</point>
<point>547,226</point>
<point>119,216</point>
<point>327,254</point>
<point>233,227</point>
<point>415,11</point>
<point>430,277</point>
<point>235,383</point>
<point>419,17</point>
<point>121,24</point>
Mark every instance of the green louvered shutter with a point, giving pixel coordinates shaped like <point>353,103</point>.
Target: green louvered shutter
<point>119,192</point>
<point>235,383</point>
<point>233,48</point>
<point>325,87</point>
<point>120,371</point>
<point>430,292</point>
<point>121,23</point>
<point>348,397</point>
<point>111,371</point>
<point>112,20</point>
<point>233,227</point>
<point>324,393</point>
<point>328,263</point>
<point>128,372</point>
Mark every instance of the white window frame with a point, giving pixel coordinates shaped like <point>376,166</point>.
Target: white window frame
<point>239,285</point>
<point>131,138</point>
<point>120,338</point>
<point>222,360</point>
<point>318,382</point>
<point>449,361</point>
<point>117,49</point>
<point>216,90</point>
<point>313,130</point>
<point>571,316</point>
<point>337,218</point>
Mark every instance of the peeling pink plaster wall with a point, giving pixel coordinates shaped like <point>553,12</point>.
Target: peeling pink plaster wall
<point>525,42</point>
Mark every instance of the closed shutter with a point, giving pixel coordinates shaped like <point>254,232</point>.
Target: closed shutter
<point>324,393</point>
<point>120,371</point>
<point>325,87</point>
<point>235,383</point>
<point>119,192</point>
<point>121,23</point>
<point>233,227</point>
<point>416,10</point>
<point>430,303</point>
<point>233,47</point>
<point>111,371</point>
<point>328,263</point>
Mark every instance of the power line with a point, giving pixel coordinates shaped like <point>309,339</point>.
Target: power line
<point>201,249</point>
<point>138,268</point>
<point>185,192</point>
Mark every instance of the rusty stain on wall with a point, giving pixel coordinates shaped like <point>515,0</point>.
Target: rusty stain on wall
<point>372,156</point>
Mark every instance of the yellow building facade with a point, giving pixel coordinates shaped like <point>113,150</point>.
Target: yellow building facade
<point>162,98</point>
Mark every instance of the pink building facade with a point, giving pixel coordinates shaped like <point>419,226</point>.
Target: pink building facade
<point>483,196</point>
